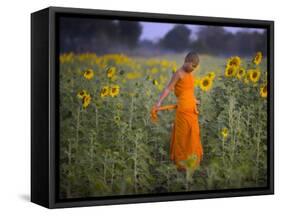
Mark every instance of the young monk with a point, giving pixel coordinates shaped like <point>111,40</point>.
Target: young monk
<point>185,137</point>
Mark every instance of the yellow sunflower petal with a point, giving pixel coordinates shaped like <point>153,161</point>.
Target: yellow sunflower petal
<point>206,83</point>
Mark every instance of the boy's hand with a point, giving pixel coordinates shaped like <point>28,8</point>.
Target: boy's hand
<point>157,105</point>
<point>197,102</point>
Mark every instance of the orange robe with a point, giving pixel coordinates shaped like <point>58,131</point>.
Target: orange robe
<point>185,136</point>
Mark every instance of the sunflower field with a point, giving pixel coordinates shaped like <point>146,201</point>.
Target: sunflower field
<point>109,145</point>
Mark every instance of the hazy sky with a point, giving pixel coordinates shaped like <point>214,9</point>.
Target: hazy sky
<point>153,31</point>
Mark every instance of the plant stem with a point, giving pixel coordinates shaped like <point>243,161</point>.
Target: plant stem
<point>235,134</point>
<point>248,125</point>
<point>135,166</point>
<point>258,146</point>
<point>78,126</point>
<point>69,170</point>
<point>104,168</point>
<point>131,112</point>
<point>223,150</point>
<point>92,152</point>
<point>112,176</point>
<point>187,176</point>
<point>231,124</point>
<point>97,119</point>
<point>168,179</point>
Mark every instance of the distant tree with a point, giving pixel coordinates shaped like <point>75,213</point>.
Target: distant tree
<point>247,43</point>
<point>177,39</point>
<point>97,35</point>
<point>212,39</point>
<point>216,40</point>
<point>129,33</point>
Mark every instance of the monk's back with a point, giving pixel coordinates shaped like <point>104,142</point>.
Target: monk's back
<point>184,91</point>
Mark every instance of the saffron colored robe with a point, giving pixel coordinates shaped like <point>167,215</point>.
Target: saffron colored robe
<point>185,135</point>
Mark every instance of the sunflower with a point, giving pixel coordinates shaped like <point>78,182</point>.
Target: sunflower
<point>257,58</point>
<point>119,106</point>
<point>212,75</point>
<point>86,101</point>
<point>224,132</point>
<point>234,61</point>
<point>154,70</point>
<point>254,75</point>
<point>230,71</point>
<point>104,91</point>
<point>174,69</point>
<point>263,91</point>
<point>82,93</point>
<point>111,72</point>
<point>148,77</point>
<point>241,73</point>
<point>114,90</point>
<point>88,74</point>
<point>117,119</point>
<point>206,83</point>
<point>155,82</point>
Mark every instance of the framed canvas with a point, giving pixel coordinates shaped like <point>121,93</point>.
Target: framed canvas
<point>130,107</point>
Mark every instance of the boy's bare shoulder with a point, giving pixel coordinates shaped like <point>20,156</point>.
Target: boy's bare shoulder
<point>179,72</point>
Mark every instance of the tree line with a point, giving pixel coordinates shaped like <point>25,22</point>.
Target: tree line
<point>106,36</point>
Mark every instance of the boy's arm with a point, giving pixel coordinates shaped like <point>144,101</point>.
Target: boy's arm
<point>168,88</point>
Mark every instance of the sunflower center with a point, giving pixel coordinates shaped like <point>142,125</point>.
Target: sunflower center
<point>258,57</point>
<point>264,89</point>
<point>255,74</point>
<point>205,83</point>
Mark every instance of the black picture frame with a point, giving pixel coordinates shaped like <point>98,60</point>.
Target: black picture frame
<point>45,99</point>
